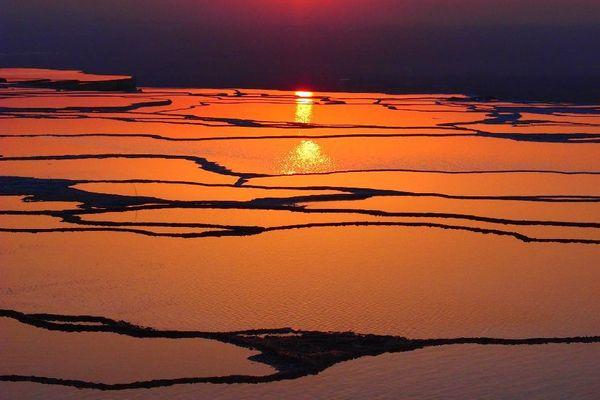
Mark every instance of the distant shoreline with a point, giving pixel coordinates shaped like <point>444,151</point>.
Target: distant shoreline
<point>583,90</point>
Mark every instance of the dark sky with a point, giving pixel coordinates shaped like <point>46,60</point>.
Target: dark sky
<point>485,46</point>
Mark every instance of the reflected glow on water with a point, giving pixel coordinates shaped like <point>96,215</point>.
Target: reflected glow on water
<point>304,110</point>
<point>307,157</point>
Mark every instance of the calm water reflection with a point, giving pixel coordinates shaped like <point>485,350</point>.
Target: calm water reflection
<point>494,232</point>
<point>304,111</point>
<point>308,156</point>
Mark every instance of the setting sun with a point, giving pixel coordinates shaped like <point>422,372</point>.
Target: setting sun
<point>304,94</point>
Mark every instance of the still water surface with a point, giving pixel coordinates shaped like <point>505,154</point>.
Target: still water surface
<point>424,216</point>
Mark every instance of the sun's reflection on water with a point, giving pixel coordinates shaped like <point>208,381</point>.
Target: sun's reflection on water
<point>304,107</point>
<point>307,156</point>
<point>304,110</point>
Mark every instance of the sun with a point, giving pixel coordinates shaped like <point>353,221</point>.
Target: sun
<point>304,94</point>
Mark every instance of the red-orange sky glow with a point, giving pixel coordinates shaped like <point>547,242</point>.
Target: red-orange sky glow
<point>358,12</point>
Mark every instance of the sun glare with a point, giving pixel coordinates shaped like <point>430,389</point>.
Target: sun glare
<point>306,157</point>
<point>304,94</point>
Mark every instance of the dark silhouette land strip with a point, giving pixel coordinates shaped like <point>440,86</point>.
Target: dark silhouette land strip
<point>91,203</point>
<point>292,353</point>
<point>123,84</point>
<point>491,111</point>
<point>250,231</point>
<point>574,138</point>
<point>212,166</point>
<point>486,111</point>
<point>83,109</point>
<point>200,161</point>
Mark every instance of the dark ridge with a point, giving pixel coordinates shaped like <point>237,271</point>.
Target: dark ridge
<point>485,231</point>
<point>100,109</point>
<point>261,137</point>
<point>240,230</point>
<point>202,162</point>
<point>98,203</point>
<point>142,232</point>
<point>293,353</point>
<point>250,230</point>
<point>498,115</point>
<point>438,171</point>
<point>579,138</point>
<point>186,119</point>
<point>127,84</point>
<point>559,110</point>
<point>118,85</point>
<point>470,217</point>
<point>212,166</point>
<point>361,193</point>
<point>37,189</point>
<point>289,204</point>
